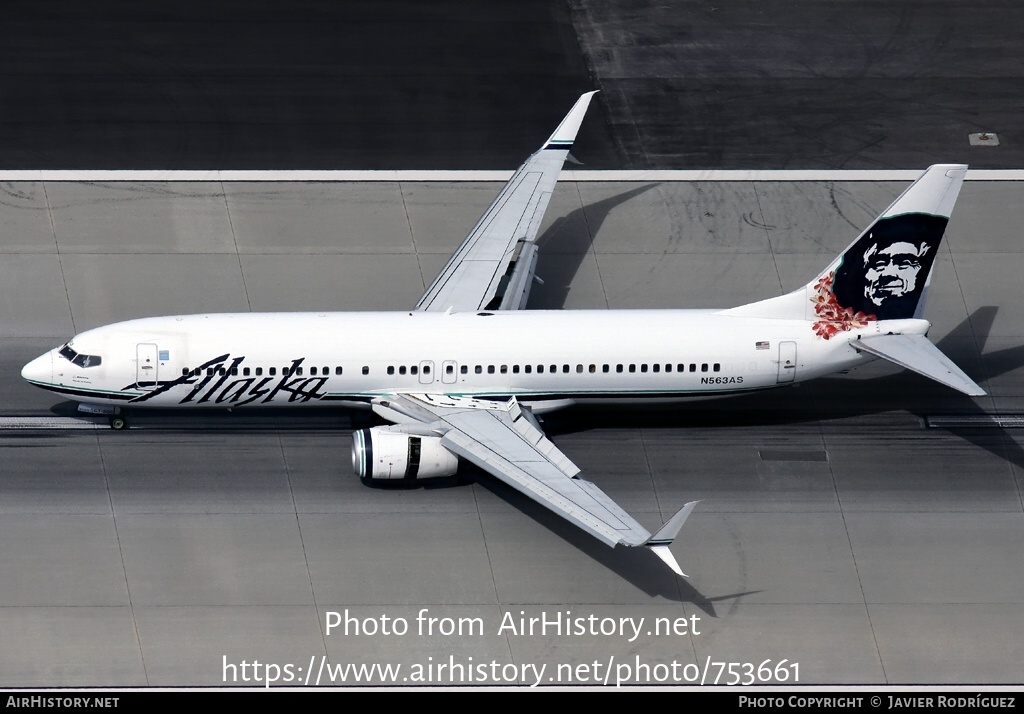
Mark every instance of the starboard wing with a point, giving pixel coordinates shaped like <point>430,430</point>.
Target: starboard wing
<point>494,267</point>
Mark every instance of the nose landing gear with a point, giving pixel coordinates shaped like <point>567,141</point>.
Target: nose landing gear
<point>115,417</point>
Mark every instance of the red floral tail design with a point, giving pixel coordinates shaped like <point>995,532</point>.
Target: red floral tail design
<point>834,317</point>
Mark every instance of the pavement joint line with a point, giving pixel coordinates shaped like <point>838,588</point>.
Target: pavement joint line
<point>978,421</point>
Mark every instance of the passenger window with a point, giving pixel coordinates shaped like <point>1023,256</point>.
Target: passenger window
<point>184,371</point>
<point>515,369</point>
<point>478,369</point>
<point>312,371</point>
<point>259,371</point>
<point>565,369</point>
<point>605,368</point>
<point>490,369</point>
<point>246,372</point>
<point>579,369</point>
<point>504,369</point>
<point>643,367</point>
<point>449,369</point>
<point>426,369</point>
<point>632,368</point>
<point>414,370</point>
<point>717,367</point>
<point>366,370</point>
<point>298,371</point>
<point>656,367</point>
<point>401,370</point>
<point>618,369</point>
<point>693,367</point>
<point>464,369</point>
<point>285,371</point>
<point>528,368</point>
<point>391,370</point>
<point>540,369</point>
<point>337,370</point>
<point>704,367</point>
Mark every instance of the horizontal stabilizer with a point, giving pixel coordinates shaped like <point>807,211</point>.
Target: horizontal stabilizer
<point>917,353</point>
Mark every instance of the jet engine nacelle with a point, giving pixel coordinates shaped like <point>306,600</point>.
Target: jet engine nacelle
<point>383,453</point>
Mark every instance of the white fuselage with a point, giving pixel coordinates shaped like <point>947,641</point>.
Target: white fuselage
<point>304,359</point>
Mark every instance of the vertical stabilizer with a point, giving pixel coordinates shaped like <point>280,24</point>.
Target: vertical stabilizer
<point>884,273</point>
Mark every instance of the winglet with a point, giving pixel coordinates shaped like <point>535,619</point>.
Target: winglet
<point>565,134</point>
<point>659,542</point>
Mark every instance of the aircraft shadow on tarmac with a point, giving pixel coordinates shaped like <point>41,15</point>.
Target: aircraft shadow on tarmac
<point>558,276</point>
<point>638,566</point>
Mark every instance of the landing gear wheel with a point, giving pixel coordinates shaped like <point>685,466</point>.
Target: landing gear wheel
<point>118,422</point>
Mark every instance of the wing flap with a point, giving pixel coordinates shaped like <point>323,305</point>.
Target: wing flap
<point>529,472</point>
<point>918,354</point>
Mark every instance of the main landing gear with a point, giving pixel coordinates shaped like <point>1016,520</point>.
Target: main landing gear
<point>118,422</point>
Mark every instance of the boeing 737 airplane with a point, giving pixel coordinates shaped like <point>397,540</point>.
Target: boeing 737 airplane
<point>464,372</point>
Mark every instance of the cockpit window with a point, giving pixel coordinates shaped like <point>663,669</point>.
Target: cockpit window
<point>83,361</point>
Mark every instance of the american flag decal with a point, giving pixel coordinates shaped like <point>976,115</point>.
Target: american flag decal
<point>761,345</point>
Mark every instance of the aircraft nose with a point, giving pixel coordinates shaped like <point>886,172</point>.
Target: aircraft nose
<point>39,370</point>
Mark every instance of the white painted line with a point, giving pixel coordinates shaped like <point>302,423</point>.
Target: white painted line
<point>1003,421</point>
<point>495,176</point>
<point>51,423</point>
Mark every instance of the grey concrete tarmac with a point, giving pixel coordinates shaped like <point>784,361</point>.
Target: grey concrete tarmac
<point>835,531</point>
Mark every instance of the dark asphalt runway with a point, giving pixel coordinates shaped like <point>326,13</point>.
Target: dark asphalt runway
<point>238,84</point>
<point>457,84</point>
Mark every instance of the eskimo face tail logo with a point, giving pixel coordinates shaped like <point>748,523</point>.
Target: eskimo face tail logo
<point>893,271</point>
<point>882,276</point>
